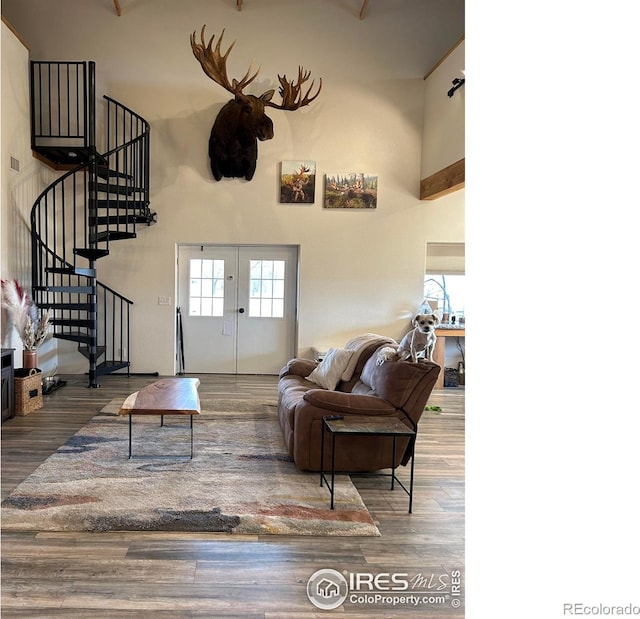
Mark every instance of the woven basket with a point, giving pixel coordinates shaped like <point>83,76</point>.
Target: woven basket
<point>27,385</point>
<point>451,377</point>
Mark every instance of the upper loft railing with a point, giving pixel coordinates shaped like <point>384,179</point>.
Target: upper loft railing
<point>67,223</point>
<point>64,110</point>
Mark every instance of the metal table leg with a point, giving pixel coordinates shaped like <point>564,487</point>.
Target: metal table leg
<point>322,457</point>
<point>130,416</point>
<point>162,425</point>
<point>393,462</point>
<point>333,465</point>
<point>413,459</point>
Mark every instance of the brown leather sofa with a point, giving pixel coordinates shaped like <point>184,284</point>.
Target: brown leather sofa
<point>394,388</point>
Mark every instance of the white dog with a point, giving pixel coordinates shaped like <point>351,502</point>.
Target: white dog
<point>422,338</point>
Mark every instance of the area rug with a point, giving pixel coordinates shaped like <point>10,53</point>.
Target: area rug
<point>241,479</point>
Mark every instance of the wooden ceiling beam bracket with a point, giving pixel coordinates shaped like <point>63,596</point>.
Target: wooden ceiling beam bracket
<point>116,3</point>
<point>239,4</point>
<point>363,10</point>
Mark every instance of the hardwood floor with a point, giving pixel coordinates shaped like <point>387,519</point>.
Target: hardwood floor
<point>167,575</point>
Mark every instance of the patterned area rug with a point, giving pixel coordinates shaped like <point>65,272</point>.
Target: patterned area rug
<point>241,479</point>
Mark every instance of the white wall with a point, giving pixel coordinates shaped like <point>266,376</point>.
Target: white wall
<point>443,141</point>
<point>19,189</point>
<point>359,271</point>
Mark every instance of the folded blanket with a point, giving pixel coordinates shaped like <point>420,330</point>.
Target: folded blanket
<point>357,344</point>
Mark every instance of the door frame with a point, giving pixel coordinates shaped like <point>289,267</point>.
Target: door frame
<point>296,277</point>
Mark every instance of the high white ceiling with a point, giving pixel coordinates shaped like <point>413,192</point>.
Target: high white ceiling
<point>393,39</point>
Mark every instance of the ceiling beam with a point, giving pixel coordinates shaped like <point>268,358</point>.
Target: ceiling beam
<point>441,183</point>
<point>442,59</point>
<point>363,10</point>
<point>116,3</point>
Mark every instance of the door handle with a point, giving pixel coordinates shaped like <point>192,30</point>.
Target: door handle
<point>241,310</point>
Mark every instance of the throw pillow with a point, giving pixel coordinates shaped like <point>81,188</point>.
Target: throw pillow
<point>328,372</point>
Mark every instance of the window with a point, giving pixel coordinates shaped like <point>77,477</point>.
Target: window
<point>444,283</point>
<point>446,292</point>
<point>266,288</point>
<point>206,287</point>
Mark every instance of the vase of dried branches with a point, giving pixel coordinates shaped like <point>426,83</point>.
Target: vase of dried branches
<point>29,358</point>
<point>32,324</point>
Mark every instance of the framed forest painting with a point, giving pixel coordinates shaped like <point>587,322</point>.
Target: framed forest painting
<point>351,190</point>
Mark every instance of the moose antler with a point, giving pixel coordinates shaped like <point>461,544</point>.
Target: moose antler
<point>290,91</point>
<point>214,64</point>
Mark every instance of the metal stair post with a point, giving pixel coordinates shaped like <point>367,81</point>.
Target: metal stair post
<point>93,331</point>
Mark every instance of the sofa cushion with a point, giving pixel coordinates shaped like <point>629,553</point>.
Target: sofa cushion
<point>394,381</point>
<point>291,390</point>
<point>298,367</point>
<point>328,372</point>
<point>338,402</point>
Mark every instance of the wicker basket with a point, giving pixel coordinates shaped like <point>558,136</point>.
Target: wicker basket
<point>451,377</point>
<point>28,391</point>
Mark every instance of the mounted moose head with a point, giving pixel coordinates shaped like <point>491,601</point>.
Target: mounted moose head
<point>233,144</point>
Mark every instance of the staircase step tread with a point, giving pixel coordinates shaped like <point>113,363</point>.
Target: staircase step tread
<point>72,322</point>
<point>123,190</point>
<point>106,172</point>
<point>84,351</point>
<point>65,157</point>
<point>72,307</point>
<point>91,253</point>
<point>71,289</point>
<point>112,235</point>
<point>74,337</point>
<point>106,367</point>
<point>129,219</point>
<point>72,271</point>
<point>120,204</point>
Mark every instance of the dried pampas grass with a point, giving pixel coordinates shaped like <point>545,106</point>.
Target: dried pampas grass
<point>25,315</point>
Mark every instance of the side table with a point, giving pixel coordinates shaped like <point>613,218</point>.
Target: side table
<point>8,396</point>
<point>364,425</point>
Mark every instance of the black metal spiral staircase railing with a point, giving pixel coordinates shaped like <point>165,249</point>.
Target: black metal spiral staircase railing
<point>104,197</point>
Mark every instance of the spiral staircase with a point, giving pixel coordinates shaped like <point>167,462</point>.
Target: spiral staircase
<point>100,197</point>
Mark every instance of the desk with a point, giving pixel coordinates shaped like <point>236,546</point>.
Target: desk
<point>438,352</point>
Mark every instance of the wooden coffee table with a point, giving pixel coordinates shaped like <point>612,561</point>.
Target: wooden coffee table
<point>169,396</point>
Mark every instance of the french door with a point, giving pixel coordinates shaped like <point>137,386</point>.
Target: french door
<point>238,306</point>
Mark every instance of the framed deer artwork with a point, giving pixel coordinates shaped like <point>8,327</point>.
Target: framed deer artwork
<point>298,182</point>
<point>233,143</point>
<point>351,190</point>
